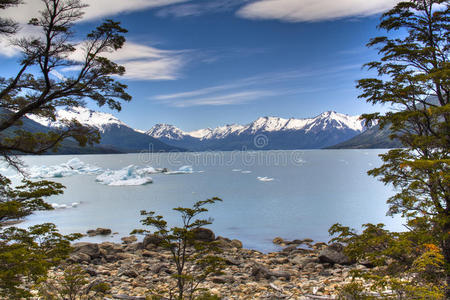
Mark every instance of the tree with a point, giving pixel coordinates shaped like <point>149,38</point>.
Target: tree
<point>8,26</point>
<point>38,88</point>
<point>413,79</point>
<point>194,260</point>
<point>26,256</point>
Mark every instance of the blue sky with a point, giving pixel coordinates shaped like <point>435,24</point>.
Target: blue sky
<point>197,64</point>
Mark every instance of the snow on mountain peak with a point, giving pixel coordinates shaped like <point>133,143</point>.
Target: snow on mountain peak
<point>83,115</point>
<point>324,121</point>
<point>166,131</point>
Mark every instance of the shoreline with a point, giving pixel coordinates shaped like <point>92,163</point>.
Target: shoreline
<point>301,270</point>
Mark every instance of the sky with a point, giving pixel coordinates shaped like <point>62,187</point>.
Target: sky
<point>206,63</point>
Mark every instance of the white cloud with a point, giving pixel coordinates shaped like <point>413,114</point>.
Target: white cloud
<point>142,62</point>
<point>97,8</point>
<point>313,10</point>
<point>245,90</point>
<point>225,99</point>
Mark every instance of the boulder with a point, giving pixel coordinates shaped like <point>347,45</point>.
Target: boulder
<point>334,254</point>
<point>259,272</point>
<point>278,241</point>
<point>110,248</point>
<point>127,272</point>
<point>79,258</point>
<point>204,234</point>
<point>90,249</point>
<point>236,244</point>
<point>99,231</point>
<point>129,239</point>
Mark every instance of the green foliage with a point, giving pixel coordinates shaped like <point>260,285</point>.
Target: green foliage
<point>402,261</point>
<point>73,284</point>
<point>26,256</point>
<point>413,78</point>
<point>353,291</point>
<point>194,260</point>
<point>21,201</point>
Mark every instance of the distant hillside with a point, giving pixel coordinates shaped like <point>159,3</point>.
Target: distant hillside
<point>372,138</point>
<point>116,136</point>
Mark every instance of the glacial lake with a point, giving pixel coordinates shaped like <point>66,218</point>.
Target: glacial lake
<point>291,194</point>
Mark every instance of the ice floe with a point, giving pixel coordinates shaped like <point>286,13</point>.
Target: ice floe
<point>265,179</point>
<point>236,170</point>
<point>181,170</point>
<point>246,172</point>
<point>73,167</point>
<point>63,206</point>
<point>131,175</point>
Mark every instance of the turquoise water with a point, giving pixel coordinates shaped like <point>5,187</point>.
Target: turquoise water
<point>299,194</point>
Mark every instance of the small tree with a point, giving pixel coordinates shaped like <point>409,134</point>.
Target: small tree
<point>414,79</point>
<point>26,255</point>
<point>194,260</point>
<point>73,285</point>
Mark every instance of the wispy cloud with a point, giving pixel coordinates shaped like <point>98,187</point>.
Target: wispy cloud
<point>148,63</point>
<point>142,62</point>
<point>200,8</point>
<point>312,10</point>
<point>225,99</point>
<point>252,88</point>
<point>97,8</point>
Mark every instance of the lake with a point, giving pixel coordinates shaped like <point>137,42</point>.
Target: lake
<point>291,194</point>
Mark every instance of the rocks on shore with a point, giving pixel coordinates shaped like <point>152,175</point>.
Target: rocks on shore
<point>334,254</point>
<point>99,231</point>
<point>132,268</point>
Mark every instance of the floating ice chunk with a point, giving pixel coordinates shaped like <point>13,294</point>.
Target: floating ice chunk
<point>182,170</point>
<point>246,172</point>
<point>265,179</point>
<point>186,169</point>
<point>63,206</point>
<point>131,175</point>
<point>73,167</point>
<point>236,170</point>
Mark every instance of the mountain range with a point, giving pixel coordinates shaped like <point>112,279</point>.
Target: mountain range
<point>266,133</point>
<point>116,136</point>
<point>329,129</point>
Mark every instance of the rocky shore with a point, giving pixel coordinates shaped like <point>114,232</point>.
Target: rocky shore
<point>301,270</point>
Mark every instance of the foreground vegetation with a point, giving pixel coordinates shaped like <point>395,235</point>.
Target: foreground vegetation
<point>414,80</point>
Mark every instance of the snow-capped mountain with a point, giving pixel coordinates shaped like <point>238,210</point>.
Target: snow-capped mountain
<point>114,133</point>
<point>326,129</point>
<point>85,116</point>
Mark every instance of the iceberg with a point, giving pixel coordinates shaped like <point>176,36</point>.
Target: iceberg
<point>73,167</point>
<point>131,176</point>
<point>181,170</point>
<point>265,179</point>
